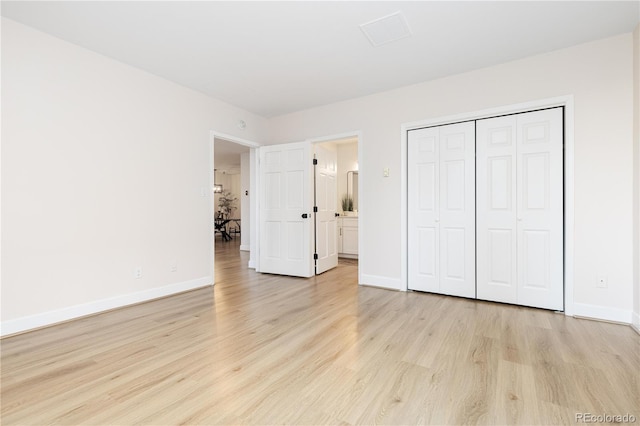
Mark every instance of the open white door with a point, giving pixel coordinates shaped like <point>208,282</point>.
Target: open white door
<point>286,209</point>
<point>326,188</point>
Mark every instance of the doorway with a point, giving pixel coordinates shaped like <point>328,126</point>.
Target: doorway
<point>287,199</point>
<point>255,192</point>
<point>232,209</point>
<point>348,152</point>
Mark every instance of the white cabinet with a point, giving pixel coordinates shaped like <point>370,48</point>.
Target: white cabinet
<point>348,237</point>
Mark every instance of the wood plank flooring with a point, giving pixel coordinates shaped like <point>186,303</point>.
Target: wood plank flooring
<point>265,349</point>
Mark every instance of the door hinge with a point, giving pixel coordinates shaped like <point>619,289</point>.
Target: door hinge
<point>315,161</point>
<point>315,256</point>
<point>315,209</point>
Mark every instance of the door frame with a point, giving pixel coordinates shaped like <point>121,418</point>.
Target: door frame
<point>253,151</point>
<point>568,223</point>
<point>358,135</point>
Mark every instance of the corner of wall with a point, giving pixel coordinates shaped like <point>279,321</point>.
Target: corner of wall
<point>636,178</point>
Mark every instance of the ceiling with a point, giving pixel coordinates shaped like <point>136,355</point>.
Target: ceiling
<point>272,58</point>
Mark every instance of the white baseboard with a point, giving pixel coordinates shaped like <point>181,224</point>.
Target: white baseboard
<point>348,256</point>
<point>378,281</point>
<point>44,319</point>
<point>252,264</point>
<point>636,321</point>
<point>602,313</point>
<point>245,247</point>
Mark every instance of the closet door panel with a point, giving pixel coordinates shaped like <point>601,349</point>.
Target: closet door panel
<point>423,200</point>
<point>496,209</point>
<point>540,207</point>
<point>427,260</point>
<point>457,209</point>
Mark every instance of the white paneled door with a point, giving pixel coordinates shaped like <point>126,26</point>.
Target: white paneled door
<point>326,200</point>
<point>285,209</point>
<point>441,207</point>
<point>520,209</point>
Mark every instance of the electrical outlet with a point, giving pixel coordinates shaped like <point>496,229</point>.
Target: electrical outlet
<point>173,266</point>
<point>385,172</point>
<point>137,272</point>
<point>601,281</point>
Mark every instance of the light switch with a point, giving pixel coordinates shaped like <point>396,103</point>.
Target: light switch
<point>385,172</point>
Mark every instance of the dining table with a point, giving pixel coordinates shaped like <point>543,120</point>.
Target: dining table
<point>220,225</point>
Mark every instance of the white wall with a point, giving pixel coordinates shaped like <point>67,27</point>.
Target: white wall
<point>347,161</point>
<point>104,168</point>
<point>636,174</point>
<point>598,74</point>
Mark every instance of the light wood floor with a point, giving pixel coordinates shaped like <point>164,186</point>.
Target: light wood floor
<point>264,349</point>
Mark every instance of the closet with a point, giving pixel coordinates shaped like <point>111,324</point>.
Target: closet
<point>485,209</point>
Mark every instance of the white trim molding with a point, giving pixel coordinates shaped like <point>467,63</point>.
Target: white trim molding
<point>379,281</point>
<point>602,313</point>
<point>563,101</point>
<point>49,318</point>
<point>635,322</point>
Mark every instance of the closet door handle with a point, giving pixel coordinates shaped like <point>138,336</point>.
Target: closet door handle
<point>304,215</point>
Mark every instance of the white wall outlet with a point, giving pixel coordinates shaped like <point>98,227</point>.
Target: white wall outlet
<point>601,281</point>
<point>137,272</point>
<point>385,172</point>
<point>173,266</point>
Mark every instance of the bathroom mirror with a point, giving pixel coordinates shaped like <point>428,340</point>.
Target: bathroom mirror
<point>352,187</point>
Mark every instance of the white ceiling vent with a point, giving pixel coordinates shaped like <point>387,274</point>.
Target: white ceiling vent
<point>386,29</point>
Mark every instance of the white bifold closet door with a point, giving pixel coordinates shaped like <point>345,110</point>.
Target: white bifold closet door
<point>441,220</point>
<point>520,209</point>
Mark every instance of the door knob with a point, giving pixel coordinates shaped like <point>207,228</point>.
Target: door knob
<point>337,214</point>
<point>304,215</point>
